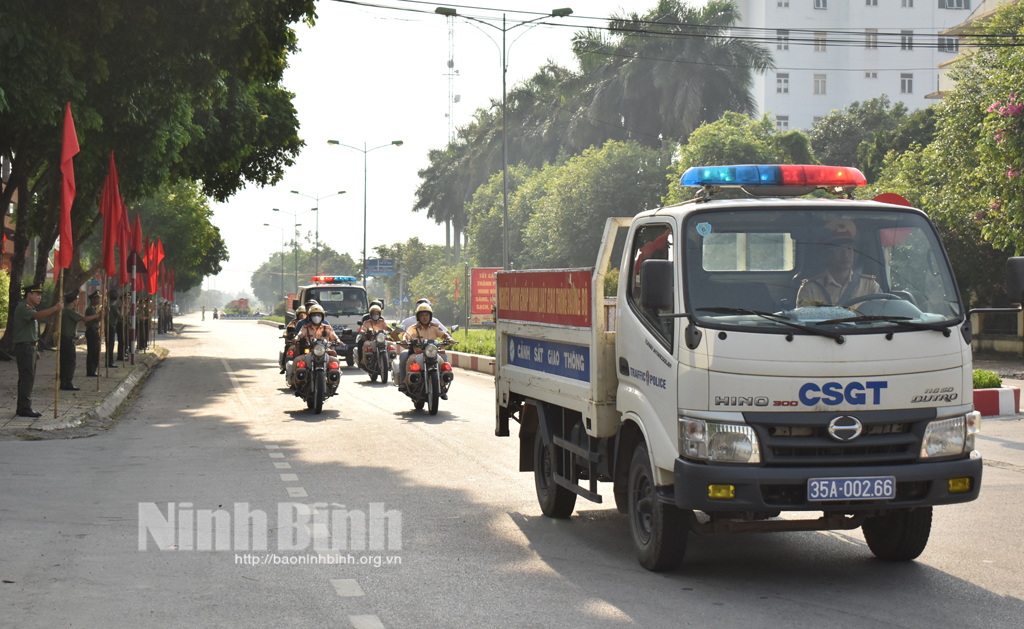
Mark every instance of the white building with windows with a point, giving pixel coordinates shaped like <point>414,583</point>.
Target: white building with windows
<point>830,53</point>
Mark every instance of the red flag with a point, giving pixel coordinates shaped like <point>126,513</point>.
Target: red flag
<point>110,206</point>
<point>123,242</point>
<point>68,150</point>
<point>152,268</point>
<point>159,251</point>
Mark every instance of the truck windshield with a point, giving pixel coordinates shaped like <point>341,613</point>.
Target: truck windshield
<point>339,301</point>
<point>830,271</point>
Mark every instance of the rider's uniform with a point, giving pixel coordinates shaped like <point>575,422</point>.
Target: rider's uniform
<point>419,332</point>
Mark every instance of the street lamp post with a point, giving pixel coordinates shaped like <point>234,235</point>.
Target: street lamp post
<point>284,296</point>
<point>365,151</point>
<point>317,198</point>
<point>295,244</point>
<point>449,12</point>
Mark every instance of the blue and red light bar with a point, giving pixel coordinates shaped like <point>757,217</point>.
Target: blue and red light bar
<point>775,175</point>
<point>333,279</point>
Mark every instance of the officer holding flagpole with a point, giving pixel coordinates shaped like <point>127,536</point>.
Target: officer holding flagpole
<point>25,324</point>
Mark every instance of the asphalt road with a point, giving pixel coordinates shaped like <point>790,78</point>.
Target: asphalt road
<point>451,533</point>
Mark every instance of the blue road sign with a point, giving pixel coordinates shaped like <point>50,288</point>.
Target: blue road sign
<point>405,299</point>
<point>380,268</point>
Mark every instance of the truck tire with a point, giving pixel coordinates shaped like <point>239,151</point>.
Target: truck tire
<point>555,501</point>
<point>899,536</point>
<point>659,530</point>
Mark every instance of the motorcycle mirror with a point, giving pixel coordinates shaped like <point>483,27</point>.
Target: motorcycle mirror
<point>280,326</point>
<point>455,328</point>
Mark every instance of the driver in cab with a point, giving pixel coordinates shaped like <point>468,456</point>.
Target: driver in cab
<point>315,328</point>
<point>840,282</point>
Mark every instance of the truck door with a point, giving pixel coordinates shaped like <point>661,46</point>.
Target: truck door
<point>645,346</point>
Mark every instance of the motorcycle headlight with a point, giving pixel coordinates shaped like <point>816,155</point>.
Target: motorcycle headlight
<point>430,351</point>
<point>319,350</point>
<point>380,337</point>
<point>950,437</point>
<point>718,442</point>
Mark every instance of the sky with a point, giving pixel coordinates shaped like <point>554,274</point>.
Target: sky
<point>373,76</point>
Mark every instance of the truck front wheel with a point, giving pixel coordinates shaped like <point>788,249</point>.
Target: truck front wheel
<point>555,501</point>
<point>659,529</point>
<point>900,535</point>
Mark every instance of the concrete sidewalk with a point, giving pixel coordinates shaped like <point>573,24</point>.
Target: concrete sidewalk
<point>75,409</point>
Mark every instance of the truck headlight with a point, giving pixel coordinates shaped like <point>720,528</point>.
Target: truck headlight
<point>718,442</point>
<point>950,437</point>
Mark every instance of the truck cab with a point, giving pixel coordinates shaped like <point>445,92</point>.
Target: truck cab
<point>344,303</point>
<point>768,355</point>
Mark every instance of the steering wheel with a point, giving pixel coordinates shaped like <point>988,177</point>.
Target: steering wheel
<point>872,297</point>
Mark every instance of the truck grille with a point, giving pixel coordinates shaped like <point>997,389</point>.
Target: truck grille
<point>803,439</point>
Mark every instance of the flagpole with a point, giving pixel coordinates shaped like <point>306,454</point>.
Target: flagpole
<point>103,324</point>
<point>60,317</point>
<point>131,337</point>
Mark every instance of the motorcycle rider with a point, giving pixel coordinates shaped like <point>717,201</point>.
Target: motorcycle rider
<point>309,304</point>
<point>315,328</point>
<point>425,329</point>
<point>374,323</point>
<point>300,314</point>
<point>361,338</point>
<point>411,321</point>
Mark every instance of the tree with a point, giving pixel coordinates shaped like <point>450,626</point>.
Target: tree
<point>619,179</point>
<point>837,137</point>
<point>487,211</point>
<point>661,74</point>
<point>183,90</point>
<point>737,139</point>
<point>266,280</point>
<point>917,128</point>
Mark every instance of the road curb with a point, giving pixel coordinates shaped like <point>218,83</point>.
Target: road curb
<point>115,398</point>
<point>471,362</point>
<point>265,322</point>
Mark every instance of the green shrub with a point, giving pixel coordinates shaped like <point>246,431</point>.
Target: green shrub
<point>479,342</point>
<point>986,379</point>
<point>5,286</point>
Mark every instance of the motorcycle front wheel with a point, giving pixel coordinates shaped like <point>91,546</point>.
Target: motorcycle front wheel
<point>435,392</point>
<point>321,389</point>
<point>382,364</point>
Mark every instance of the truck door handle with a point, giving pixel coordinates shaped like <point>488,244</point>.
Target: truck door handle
<point>623,366</point>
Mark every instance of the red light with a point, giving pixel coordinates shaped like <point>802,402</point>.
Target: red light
<point>291,352</point>
<point>802,175</point>
<point>300,365</point>
<point>333,366</point>
<point>414,366</point>
<point>446,367</point>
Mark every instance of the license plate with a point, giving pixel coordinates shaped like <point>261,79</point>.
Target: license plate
<point>855,488</point>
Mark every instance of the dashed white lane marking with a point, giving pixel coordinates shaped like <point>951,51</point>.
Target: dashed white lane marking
<point>347,587</point>
<point>270,447</point>
<point>283,466</point>
<point>297,492</point>
<point>277,455</point>
<point>365,622</point>
<point>289,477</point>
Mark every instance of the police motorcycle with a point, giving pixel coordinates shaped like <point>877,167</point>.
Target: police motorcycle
<point>427,376</point>
<point>377,352</point>
<point>316,374</point>
<point>288,353</point>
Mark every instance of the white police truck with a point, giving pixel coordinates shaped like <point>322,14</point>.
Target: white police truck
<point>764,355</point>
<point>344,304</point>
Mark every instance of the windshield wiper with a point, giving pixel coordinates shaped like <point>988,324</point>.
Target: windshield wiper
<point>917,325</point>
<point>777,318</point>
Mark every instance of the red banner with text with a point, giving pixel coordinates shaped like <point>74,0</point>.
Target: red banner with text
<point>481,296</point>
<point>558,297</point>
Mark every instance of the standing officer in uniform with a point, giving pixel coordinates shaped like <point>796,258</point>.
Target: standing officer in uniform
<point>114,328</point>
<point>25,323</point>
<point>92,334</point>
<point>68,329</point>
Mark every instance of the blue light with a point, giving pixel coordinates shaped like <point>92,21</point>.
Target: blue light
<point>746,175</point>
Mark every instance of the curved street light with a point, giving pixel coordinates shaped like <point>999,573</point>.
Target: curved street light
<point>450,12</point>
<point>318,199</point>
<point>365,151</point>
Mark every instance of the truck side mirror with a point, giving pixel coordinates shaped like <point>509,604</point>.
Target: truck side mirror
<point>295,304</point>
<point>656,285</point>
<point>1015,278</point>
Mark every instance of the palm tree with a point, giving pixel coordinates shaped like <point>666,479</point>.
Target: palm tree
<point>659,76</point>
